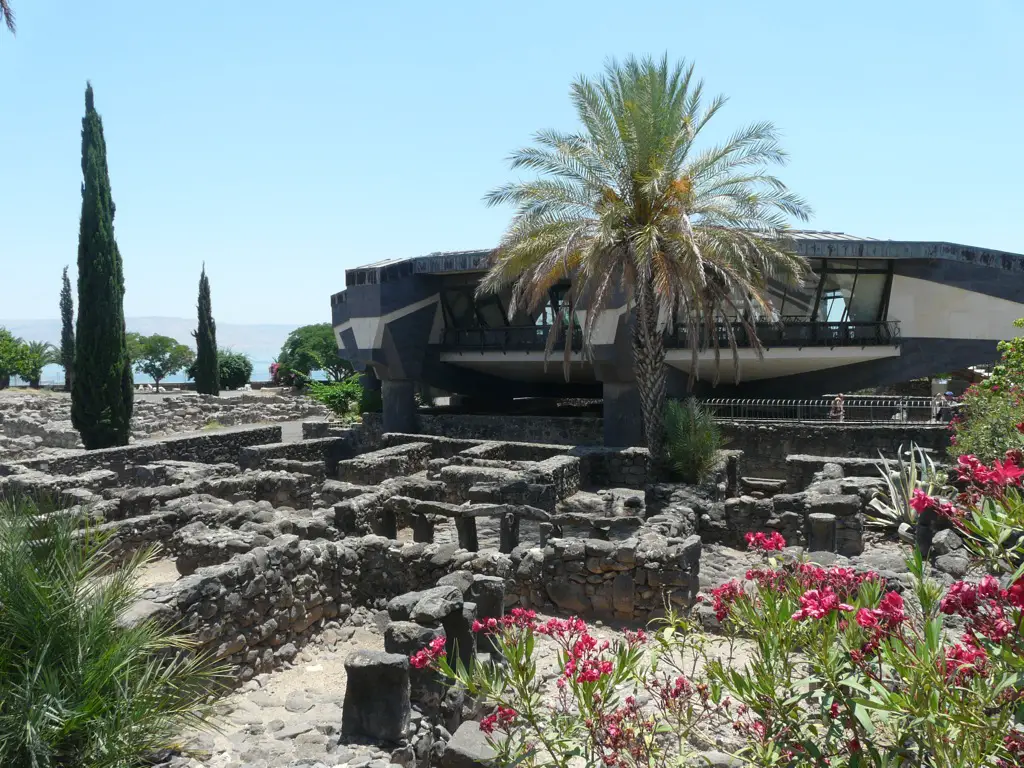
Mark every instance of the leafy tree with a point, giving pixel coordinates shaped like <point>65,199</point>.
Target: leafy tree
<point>234,369</point>
<point>313,348</point>
<point>67,330</point>
<point>12,351</point>
<point>101,391</point>
<point>80,687</point>
<point>35,356</point>
<point>161,356</point>
<point>207,367</point>
<point>632,203</point>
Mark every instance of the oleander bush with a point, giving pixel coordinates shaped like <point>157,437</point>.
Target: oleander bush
<point>842,668</point>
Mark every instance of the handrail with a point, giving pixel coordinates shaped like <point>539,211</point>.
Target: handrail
<point>797,333</point>
<point>860,410</point>
<point>513,338</point>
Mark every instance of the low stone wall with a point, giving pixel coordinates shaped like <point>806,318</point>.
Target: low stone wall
<point>766,446</point>
<point>330,450</point>
<point>378,466</point>
<point>211,448</point>
<point>558,430</point>
<point>257,609</point>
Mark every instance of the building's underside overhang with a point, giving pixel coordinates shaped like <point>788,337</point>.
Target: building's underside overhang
<point>774,363</point>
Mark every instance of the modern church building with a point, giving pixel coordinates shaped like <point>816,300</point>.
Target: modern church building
<point>870,312</point>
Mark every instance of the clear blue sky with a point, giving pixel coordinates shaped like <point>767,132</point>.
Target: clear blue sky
<point>283,142</point>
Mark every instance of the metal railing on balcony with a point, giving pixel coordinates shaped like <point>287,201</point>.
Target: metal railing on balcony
<point>852,410</point>
<point>799,333</point>
<point>526,338</point>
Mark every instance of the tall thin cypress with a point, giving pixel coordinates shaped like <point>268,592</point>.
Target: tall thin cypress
<point>67,331</point>
<point>101,389</point>
<point>207,370</point>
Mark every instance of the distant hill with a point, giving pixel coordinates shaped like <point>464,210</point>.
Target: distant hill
<point>261,342</point>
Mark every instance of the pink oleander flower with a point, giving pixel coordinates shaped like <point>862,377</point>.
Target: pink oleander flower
<point>817,604</point>
<point>759,542</point>
<point>963,661</point>
<point>504,718</point>
<point>424,657</point>
<point>867,618</point>
<point>724,595</point>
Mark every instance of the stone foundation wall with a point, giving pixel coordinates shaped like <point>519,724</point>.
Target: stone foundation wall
<point>559,430</point>
<point>330,450</point>
<point>212,448</point>
<point>257,609</point>
<point>766,446</point>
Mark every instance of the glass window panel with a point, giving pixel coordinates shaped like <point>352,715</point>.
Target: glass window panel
<point>492,314</point>
<point>867,298</point>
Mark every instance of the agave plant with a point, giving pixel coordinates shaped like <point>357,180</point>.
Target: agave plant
<point>913,469</point>
<point>692,440</point>
<point>79,684</point>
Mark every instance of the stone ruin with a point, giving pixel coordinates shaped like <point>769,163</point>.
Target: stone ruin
<point>283,547</point>
<point>36,422</point>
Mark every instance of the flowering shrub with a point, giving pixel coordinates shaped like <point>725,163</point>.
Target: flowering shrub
<point>762,543</point>
<point>842,668</point>
<point>986,424</point>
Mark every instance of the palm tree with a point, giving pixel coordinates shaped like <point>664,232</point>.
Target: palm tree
<point>84,684</point>
<point>632,204</point>
<point>37,355</point>
<point>7,15</point>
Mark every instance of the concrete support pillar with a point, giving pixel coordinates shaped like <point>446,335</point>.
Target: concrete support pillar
<point>399,396</point>
<point>466,526</point>
<point>623,418</point>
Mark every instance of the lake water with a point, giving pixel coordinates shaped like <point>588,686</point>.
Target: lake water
<point>54,374</point>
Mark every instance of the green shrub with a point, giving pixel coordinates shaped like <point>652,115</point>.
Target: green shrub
<point>235,369</point>
<point>986,423</point>
<point>78,686</point>
<point>692,440</point>
<point>370,401</point>
<point>341,397</point>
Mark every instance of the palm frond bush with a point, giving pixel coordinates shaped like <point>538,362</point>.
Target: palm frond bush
<point>912,469</point>
<point>80,684</point>
<point>692,440</point>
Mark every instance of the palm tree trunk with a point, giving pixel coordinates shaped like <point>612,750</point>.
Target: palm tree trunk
<point>649,361</point>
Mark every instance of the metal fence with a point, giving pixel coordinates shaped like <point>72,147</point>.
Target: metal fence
<point>528,338</point>
<point>853,410</point>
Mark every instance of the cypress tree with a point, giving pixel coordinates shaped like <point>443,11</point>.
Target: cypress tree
<point>101,388</point>
<point>67,331</point>
<point>207,371</point>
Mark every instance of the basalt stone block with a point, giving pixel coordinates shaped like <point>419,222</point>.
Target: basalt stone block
<point>821,532</point>
<point>466,527</point>
<point>422,529</point>
<point>509,532</point>
<point>426,607</point>
<point>377,704</point>
<point>468,748</point>
<point>458,627</point>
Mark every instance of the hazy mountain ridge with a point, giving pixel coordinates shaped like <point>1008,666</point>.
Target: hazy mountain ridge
<point>262,342</point>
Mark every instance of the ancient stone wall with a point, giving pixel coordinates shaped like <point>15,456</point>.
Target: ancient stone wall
<point>329,450</point>
<point>765,445</point>
<point>212,448</point>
